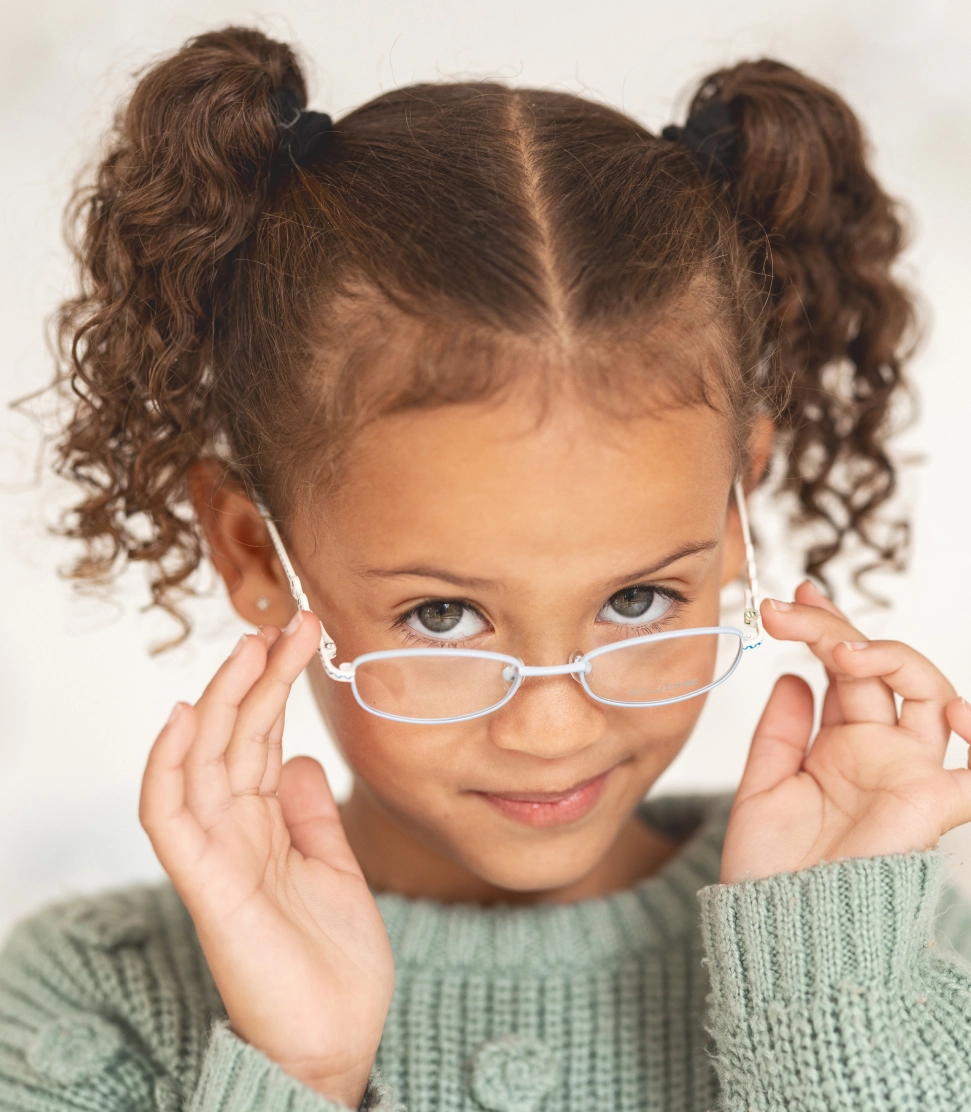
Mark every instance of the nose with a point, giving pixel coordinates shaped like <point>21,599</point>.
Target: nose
<point>549,717</point>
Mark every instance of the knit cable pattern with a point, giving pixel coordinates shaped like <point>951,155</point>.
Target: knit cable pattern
<point>819,990</point>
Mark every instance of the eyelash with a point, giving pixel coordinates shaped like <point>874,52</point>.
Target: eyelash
<point>678,600</point>
<point>416,640</point>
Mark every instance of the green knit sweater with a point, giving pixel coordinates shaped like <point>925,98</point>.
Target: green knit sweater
<point>822,989</point>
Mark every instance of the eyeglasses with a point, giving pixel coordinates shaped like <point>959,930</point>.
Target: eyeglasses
<point>438,685</point>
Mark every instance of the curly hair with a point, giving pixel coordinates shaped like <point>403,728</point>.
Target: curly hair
<point>229,309</point>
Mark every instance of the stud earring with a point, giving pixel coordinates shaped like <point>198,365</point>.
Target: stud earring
<point>262,603</point>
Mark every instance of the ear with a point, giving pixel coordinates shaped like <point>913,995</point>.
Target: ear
<point>760,442</point>
<point>240,546</point>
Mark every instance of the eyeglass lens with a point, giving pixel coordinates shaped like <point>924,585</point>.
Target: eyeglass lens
<point>434,686</point>
<point>655,671</point>
<point>442,686</point>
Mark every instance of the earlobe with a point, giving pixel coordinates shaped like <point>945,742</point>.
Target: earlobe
<point>239,545</point>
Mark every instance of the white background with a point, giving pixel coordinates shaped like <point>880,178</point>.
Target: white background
<point>80,697</point>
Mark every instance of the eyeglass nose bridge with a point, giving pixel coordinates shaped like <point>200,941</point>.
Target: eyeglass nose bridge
<point>579,665</point>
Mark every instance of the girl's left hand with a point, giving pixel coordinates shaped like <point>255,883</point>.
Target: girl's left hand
<point>873,781</point>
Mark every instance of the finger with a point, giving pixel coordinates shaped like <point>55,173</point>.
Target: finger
<point>311,815</point>
<point>808,593</point>
<point>832,712</point>
<point>274,758</point>
<point>781,737</point>
<point>208,789</point>
<point>924,689</point>
<point>175,835</point>
<point>263,706</point>
<point>861,700</point>
<point>926,721</point>
<point>218,706</point>
<point>958,713</point>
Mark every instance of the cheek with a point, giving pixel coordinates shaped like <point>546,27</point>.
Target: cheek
<point>397,760</point>
<point>404,761</point>
<point>654,735</point>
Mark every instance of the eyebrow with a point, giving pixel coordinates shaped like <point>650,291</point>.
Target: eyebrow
<point>426,571</point>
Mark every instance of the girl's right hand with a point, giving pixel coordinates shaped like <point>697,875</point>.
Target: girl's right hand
<point>256,850</point>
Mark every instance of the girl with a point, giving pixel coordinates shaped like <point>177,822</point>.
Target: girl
<point>481,378</point>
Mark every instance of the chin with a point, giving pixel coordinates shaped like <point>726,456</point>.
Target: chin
<point>539,868</point>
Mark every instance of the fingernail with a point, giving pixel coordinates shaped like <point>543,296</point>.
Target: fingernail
<point>816,586</point>
<point>855,646</point>
<point>966,703</point>
<point>239,644</point>
<point>294,624</point>
<point>176,711</point>
<point>778,604</point>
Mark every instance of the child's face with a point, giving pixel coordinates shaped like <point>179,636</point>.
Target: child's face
<point>526,529</point>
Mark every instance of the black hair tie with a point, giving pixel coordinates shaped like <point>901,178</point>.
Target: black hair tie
<point>303,133</point>
<point>714,138</point>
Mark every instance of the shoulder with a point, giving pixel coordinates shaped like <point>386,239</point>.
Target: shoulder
<point>78,941</point>
<point>116,980</point>
<point>104,921</point>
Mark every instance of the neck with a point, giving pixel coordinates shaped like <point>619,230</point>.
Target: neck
<point>394,860</point>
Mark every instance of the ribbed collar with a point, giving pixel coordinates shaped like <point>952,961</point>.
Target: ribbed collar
<point>427,934</point>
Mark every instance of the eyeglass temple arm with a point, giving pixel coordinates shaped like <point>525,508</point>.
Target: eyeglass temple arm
<point>750,617</point>
<point>327,649</point>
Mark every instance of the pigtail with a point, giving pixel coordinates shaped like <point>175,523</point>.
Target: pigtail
<point>836,326</point>
<point>233,304</point>
<point>183,181</point>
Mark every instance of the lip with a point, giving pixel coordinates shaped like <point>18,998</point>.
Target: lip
<point>549,808</point>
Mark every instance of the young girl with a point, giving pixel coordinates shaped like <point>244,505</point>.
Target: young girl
<point>481,377</point>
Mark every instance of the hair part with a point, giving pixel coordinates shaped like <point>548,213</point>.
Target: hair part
<point>451,239</point>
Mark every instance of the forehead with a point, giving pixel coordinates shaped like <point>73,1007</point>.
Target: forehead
<point>482,484</point>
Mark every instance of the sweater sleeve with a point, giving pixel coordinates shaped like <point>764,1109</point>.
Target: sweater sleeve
<point>829,992</point>
<point>106,1006</point>
<point>236,1077</point>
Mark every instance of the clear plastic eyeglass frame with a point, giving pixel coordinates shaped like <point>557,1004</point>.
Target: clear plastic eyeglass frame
<point>515,670</point>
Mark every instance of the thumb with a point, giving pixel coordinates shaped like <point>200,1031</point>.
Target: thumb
<point>311,815</point>
<point>780,739</point>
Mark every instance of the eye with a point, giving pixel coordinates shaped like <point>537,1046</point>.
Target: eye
<point>445,619</point>
<point>635,606</point>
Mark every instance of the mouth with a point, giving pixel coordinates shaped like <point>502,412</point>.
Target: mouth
<point>549,808</point>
